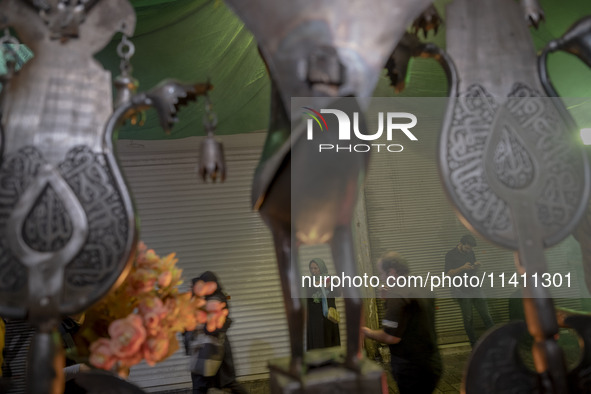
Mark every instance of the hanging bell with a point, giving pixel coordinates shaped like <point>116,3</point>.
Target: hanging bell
<point>211,160</point>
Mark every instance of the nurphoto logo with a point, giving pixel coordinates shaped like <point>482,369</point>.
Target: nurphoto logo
<point>395,122</point>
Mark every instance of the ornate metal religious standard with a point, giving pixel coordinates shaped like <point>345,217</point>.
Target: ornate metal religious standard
<point>67,225</point>
<point>329,48</point>
<point>65,208</point>
<point>577,41</point>
<point>514,174</point>
<point>66,219</point>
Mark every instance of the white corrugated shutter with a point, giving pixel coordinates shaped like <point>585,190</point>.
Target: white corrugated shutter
<point>210,227</point>
<point>408,212</point>
<point>19,335</point>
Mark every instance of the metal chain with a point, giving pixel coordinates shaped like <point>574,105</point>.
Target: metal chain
<point>125,50</point>
<point>125,83</point>
<point>210,119</point>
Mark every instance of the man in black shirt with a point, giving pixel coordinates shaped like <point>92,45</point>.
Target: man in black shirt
<point>409,330</point>
<point>461,261</point>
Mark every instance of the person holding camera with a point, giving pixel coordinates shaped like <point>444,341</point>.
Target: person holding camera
<point>461,261</point>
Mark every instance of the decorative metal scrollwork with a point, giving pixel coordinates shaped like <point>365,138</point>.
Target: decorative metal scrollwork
<point>63,17</point>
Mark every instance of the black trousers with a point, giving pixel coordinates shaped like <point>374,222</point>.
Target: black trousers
<point>224,379</point>
<point>412,378</point>
<point>202,383</point>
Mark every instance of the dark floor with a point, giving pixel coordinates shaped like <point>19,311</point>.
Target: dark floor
<point>454,359</point>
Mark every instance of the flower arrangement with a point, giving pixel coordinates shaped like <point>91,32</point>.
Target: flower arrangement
<point>140,319</point>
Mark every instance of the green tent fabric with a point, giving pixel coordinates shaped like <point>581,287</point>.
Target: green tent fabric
<point>200,39</point>
<point>197,40</point>
<point>194,41</point>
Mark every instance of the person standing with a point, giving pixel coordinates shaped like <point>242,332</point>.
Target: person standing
<point>321,331</point>
<point>213,348</point>
<point>408,328</point>
<point>461,261</point>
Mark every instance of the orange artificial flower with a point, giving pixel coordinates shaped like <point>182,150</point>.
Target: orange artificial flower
<point>101,354</point>
<point>202,288</point>
<point>165,279</point>
<point>144,314</point>
<point>155,348</point>
<point>127,336</point>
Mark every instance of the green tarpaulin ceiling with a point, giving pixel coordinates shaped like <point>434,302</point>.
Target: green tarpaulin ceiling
<point>200,39</point>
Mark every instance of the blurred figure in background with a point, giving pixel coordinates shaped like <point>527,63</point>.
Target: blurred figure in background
<point>322,325</point>
<point>461,261</point>
<point>408,328</point>
<point>211,360</point>
<point>68,328</point>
